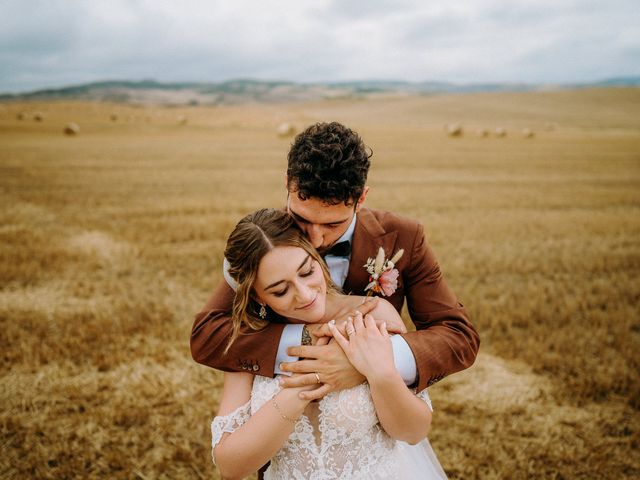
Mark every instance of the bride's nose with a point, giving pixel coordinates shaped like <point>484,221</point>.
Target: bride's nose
<point>304,293</point>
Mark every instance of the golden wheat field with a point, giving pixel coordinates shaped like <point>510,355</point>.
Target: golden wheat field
<point>112,239</point>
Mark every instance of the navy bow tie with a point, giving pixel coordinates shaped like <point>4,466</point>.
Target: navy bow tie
<point>341,249</point>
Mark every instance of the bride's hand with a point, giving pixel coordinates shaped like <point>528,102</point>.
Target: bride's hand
<point>394,323</point>
<point>366,345</point>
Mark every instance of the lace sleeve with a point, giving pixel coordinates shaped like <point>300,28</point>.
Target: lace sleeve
<point>228,424</point>
<point>424,396</point>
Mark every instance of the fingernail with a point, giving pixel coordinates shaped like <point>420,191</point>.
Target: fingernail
<point>282,366</point>
<point>350,318</point>
<point>332,322</point>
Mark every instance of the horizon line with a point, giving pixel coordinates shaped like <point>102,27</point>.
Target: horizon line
<point>633,79</point>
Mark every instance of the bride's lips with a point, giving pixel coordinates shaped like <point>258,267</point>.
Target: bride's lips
<point>308,305</point>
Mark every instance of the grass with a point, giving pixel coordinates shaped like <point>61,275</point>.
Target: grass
<point>110,241</point>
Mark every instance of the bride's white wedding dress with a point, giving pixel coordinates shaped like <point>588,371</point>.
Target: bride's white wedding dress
<point>337,438</point>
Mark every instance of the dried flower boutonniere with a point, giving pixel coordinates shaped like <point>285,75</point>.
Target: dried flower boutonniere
<point>383,276</point>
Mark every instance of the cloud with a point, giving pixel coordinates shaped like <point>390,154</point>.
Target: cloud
<point>59,42</point>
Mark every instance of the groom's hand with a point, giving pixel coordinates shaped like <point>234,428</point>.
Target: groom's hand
<point>330,364</point>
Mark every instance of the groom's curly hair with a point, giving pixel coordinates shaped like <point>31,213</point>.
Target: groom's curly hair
<point>330,162</point>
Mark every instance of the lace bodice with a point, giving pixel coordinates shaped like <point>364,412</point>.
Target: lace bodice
<point>338,437</point>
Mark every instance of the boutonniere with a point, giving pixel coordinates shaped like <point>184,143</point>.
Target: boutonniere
<point>383,276</point>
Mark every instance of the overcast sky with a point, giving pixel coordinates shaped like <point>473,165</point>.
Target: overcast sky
<point>53,43</point>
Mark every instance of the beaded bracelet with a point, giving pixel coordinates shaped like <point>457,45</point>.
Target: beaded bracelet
<point>284,417</point>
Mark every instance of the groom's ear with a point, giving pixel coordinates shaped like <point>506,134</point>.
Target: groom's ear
<point>362,198</point>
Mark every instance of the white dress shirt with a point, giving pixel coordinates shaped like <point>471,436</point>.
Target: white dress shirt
<point>292,334</point>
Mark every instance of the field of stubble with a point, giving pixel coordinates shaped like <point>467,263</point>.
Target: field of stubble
<point>111,240</point>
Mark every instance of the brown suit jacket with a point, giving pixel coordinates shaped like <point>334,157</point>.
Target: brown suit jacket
<point>444,342</point>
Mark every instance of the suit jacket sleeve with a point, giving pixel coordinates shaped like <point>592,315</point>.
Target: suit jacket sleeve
<point>253,351</point>
<point>445,342</point>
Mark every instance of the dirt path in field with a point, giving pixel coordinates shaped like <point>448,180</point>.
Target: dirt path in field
<point>497,385</point>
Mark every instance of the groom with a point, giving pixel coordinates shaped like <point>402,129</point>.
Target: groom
<point>326,189</point>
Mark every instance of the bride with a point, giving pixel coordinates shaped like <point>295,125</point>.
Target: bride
<point>376,430</point>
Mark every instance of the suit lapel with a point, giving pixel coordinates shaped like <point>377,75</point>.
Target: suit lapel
<point>368,236</point>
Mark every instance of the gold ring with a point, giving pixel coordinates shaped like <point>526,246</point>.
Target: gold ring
<point>317,376</point>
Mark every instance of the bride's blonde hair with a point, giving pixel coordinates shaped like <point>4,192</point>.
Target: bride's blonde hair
<point>253,237</point>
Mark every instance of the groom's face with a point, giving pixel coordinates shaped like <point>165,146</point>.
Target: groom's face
<point>322,223</point>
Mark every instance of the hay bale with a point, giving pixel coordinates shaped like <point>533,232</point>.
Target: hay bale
<point>483,132</point>
<point>527,133</point>
<point>500,132</point>
<point>113,117</point>
<point>71,129</point>
<point>286,130</point>
<point>38,116</point>
<point>21,116</point>
<point>182,120</point>
<point>454,129</point>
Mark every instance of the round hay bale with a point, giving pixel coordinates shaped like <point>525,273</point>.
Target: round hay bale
<point>113,117</point>
<point>454,129</point>
<point>286,130</point>
<point>527,133</point>
<point>483,132</point>
<point>500,132</point>
<point>71,129</point>
<point>182,120</point>
<point>21,116</point>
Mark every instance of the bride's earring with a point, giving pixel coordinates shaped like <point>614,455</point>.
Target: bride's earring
<point>262,312</point>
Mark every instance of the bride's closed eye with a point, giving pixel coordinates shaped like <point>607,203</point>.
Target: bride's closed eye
<point>308,273</point>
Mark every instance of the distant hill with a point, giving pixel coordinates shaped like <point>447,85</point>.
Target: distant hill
<point>244,90</point>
